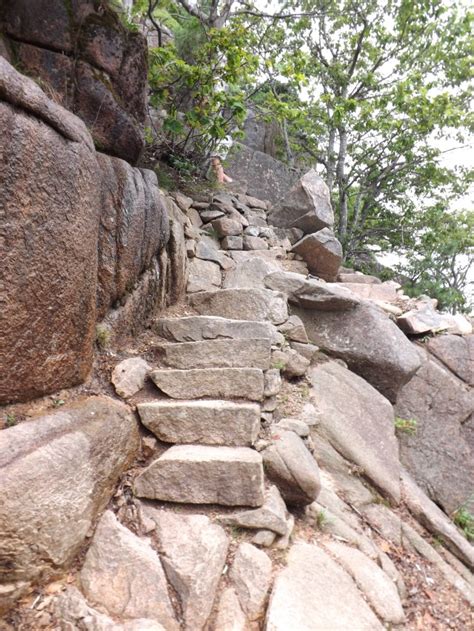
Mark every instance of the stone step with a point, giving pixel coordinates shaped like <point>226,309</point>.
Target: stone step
<point>198,474</point>
<point>197,328</point>
<point>216,383</point>
<point>252,353</point>
<point>247,304</point>
<point>204,422</point>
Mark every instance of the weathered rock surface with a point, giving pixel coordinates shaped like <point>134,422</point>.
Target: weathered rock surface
<point>433,518</point>
<point>58,473</point>
<point>370,343</point>
<point>310,293</point>
<point>291,362</point>
<point>439,453</point>
<point>203,422</point>
<point>270,516</point>
<point>359,422</point>
<point>230,616</point>
<point>203,276</point>
<point>249,273</point>
<point>322,252</point>
<point>123,574</point>
<point>306,206</point>
<point>379,589</point>
<point>259,174</point>
<point>252,353</point>
<point>272,382</point>
<point>48,284</point>
<point>245,304</point>
<point>425,319</point>
<point>96,67</point>
<point>195,474</point>
<point>293,330</point>
<point>384,292</point>
<point>314,594</point>
<point>292,468</point>
<point>129,376</point>
<point>72,609</point>
<point>251,575</point>
<point>457,353</point>
<point>196,328</point>
<point>133,227</point>
<point>226,383</point>
<point>194,554</point>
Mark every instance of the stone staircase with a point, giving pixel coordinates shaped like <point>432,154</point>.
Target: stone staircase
<point>216,385</point>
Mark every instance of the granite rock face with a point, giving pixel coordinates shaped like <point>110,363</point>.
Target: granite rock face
<point>95,66</point>
<point>57,474</point>
<point>322,252</point>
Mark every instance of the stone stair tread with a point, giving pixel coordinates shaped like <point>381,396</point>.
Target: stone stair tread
<point>195,383</point>
<point>209,422</point>
<point>205,327</point>
<point>251,353</point>
<point>245,303</point>
<point>199,474</point>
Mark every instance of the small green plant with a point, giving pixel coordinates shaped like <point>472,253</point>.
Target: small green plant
<point>11,419</point>
<point>464,520</point>
<point>57,403</point>
<point>321,519</point>
<point>102,336</point>
<point>279,365</point>
<point>406,425</point>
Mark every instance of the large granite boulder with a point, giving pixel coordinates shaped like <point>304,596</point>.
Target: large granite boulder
<point>359,423</point>
<point>92,64</point>
<point>50,198</point>
<point>57,473</point>
<point>456,353</point>
<point>306,206</point>
<point>439,451</point>
<point>258,174</point>
<point>371,344</point>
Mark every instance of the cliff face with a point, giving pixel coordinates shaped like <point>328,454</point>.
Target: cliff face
<point>86,61</point>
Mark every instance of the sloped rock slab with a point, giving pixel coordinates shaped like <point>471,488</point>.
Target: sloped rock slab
<point>456,353</point>
<point>197,328</point>
<point>252,353</point>
<point>230,616</point>
<point>439,453</point>
<point>368,341</point>
<point>194,554</point>
<point>379,589</point>
<point>57,473</point>
<point>359,423</point>
<point>195,474</point>
<point>123,573</point>
<point>202,422</point>
<point>245,304</point>
<point>313,593</point>
<point>226,383</point>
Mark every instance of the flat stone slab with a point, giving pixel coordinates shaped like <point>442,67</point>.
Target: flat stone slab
<point>271,516</point>
<point>247,304</point>
<point>251,575</point>
<point>197,328</point>
<point>196,474</point>
<point>194,555</point>
<point>252,353</point>
<point>218,383</point>
<point>203,422</point>
<point>313,593</point>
